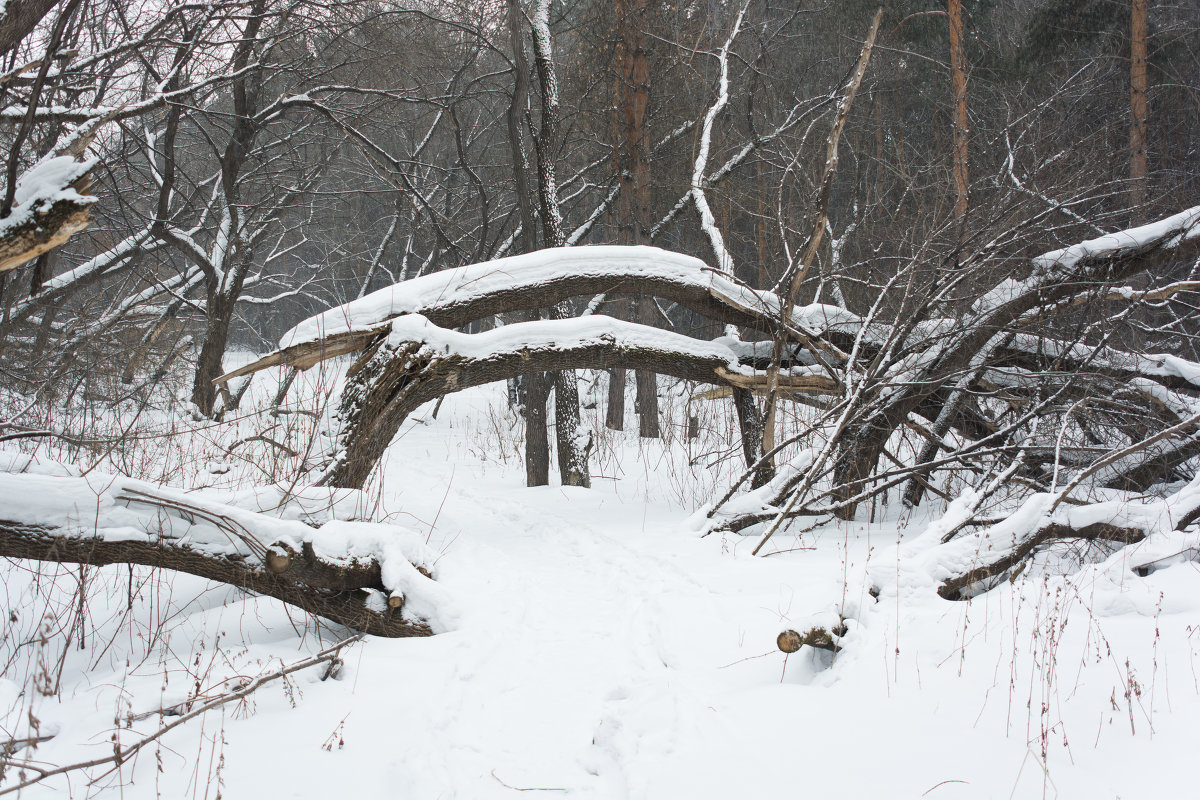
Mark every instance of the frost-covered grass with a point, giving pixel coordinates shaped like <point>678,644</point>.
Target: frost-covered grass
<point>598,648</point>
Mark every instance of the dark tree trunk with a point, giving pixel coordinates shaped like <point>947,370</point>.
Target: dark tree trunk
<point>212,351</point>
<point>751,423</point>
<point>537,442</point>
<point>614,418</point>
<point>958,77</point>
<point>1138,113</point>
<point>646,398</point>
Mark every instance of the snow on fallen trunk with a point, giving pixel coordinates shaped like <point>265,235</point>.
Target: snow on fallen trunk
<point>1163,234</point>
<point>367,576</point>
<point>48,209</point>
<point>959,564</point>
<point>455,297</point>
<point>1166,232</point>
<point>420,361</point>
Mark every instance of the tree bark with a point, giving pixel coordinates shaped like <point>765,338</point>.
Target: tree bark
<point>958,79</point>
<point>573,442</point>
<point>19,19</point>
<point>537,438</point>
<point>208,364</point>
<point>344,602</point>
<point>614,418</point>
<point>390,381</point>
<point>751,423</point>
<point>646,396</point>
<point>45,229</point>
<point>1138,86</point>
<point>633,163</point>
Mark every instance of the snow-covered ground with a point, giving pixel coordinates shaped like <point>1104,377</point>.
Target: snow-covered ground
<point>597,647</point>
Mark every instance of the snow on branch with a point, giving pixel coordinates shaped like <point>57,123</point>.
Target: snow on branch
<point>48,209</point>
<point>707,222</point>
<point>1165,233</point>
<point>963,565</point>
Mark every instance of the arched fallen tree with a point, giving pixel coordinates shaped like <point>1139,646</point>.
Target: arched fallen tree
<point>979,387</point>
<point>1019,389</point>
<point>457,297</point>
<point>418,362</point>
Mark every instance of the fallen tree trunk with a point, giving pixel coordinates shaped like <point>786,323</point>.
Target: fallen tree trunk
<point>1057,277</point>
<point>419,362</point>
<point>75,521</point>
<point>959,587</point>
<point>454,298</point>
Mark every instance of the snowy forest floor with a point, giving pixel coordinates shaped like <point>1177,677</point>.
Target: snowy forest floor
<point>594,646</point>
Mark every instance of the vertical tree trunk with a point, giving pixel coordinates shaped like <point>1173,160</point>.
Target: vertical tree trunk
<point>227,272</point>
<point>572,440</point>
<point>752,425</point>
<point>633,161</point>
<point>1137,81</point>
<point>212,351</point>
<point>760,275</point>
<point>537,446</point>
<point>537,443</point>
<point>958,79</point>
<point>614,418</point>
<point>646,398</point>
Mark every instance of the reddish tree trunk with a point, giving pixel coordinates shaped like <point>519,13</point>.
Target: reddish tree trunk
<point>1137,80</point>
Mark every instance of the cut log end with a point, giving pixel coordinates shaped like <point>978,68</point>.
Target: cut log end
<point>789,641</point>
<point>278,561</point>
<point>395,601</point>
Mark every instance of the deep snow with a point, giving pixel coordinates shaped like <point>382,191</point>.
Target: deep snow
<point>599,649</point>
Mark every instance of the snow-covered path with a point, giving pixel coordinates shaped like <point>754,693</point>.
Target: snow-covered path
<point>598,649</point>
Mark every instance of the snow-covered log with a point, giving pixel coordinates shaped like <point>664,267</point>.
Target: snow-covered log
<point>966,564</point>
<point>419,362</point>
<point>455,297</point>
<point>371,578</point>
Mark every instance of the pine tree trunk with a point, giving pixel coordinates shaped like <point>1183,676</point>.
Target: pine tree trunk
<point>958,77</point>
<point>633,84</point>
<point>1137,132</point>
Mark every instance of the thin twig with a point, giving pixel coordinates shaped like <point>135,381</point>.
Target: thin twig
<point>122,754</point>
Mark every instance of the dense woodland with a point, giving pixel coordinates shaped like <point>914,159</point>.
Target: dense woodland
<point>926,252</point>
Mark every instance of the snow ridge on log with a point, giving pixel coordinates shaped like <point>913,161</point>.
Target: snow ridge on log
<point>455,297</point>
<point>344,571</point>
<point>419,361</point>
